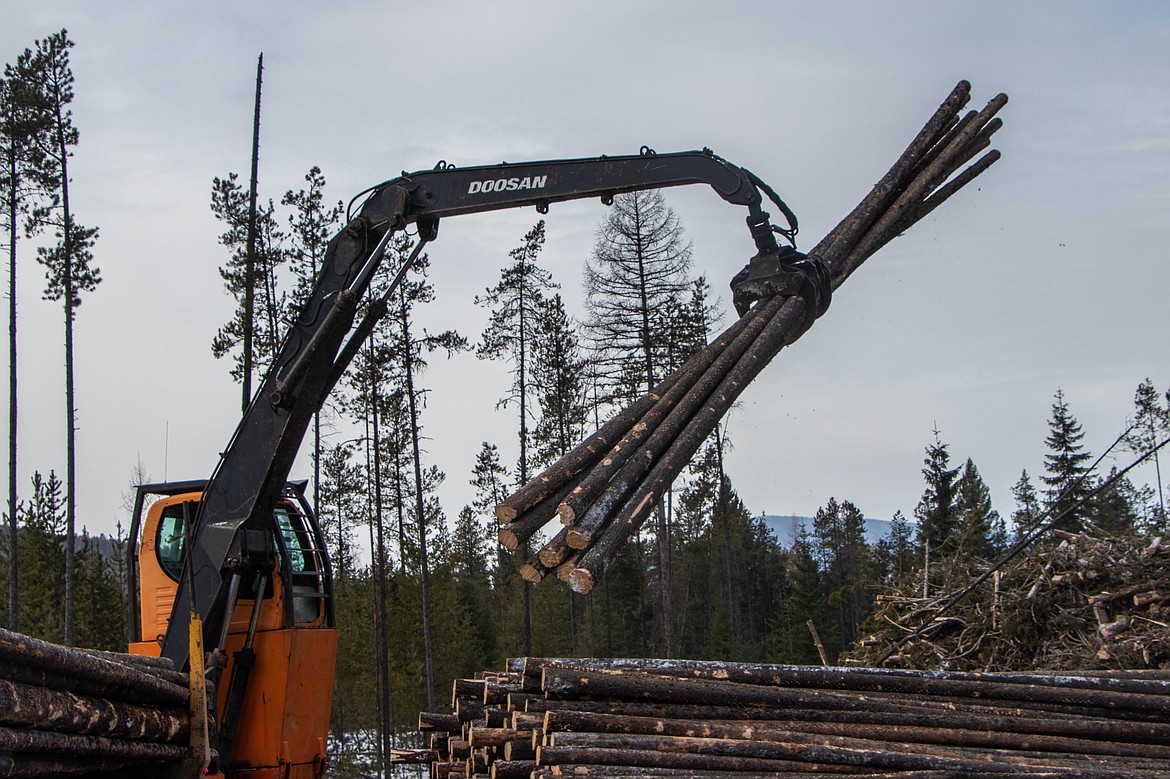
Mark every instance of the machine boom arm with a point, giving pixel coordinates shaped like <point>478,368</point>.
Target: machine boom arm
<point>238,502</point>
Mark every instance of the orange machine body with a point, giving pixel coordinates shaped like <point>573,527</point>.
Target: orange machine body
<point>284,722</point>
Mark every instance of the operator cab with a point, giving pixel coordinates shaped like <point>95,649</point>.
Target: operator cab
<point>282,620</point>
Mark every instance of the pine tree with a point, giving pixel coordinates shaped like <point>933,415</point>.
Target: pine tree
<point>1119,508</point>
<point>1066,472</point>
<point>904,553</point>
<point>1150,426</point>
<point>42,593</point>
<point>310,227</point>
<point>935,512</point>
<point>559,374</point>
<point>490,480</point>
<point>842,555</point>
<point>341,500</point>
<point>230,205</point>
<point>516,303</point>
<point>639,268</point>
<point>24,179</point>
<point>805,597</point>
<point>981,532</point>
<point>69,270</point>
<point>1028,514</point>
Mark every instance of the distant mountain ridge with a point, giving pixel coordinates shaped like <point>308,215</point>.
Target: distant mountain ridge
<point>786,527</point>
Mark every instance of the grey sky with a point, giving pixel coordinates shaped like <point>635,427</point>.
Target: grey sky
<point>1051,273</point>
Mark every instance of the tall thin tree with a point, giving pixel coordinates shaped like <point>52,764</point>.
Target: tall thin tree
<point>69,269</point>
<point>250,263</point>
<point>515,304</point>
<point>310,227</point>
<point>23,124</point>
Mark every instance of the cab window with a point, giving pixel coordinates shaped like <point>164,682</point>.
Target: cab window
<point>171,540</point>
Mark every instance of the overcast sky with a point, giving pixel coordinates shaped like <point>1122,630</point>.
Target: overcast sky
<point>1051,272</point>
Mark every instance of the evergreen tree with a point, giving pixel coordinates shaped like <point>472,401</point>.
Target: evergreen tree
<point>341,500</point>
<point>791,637</point>
<point>230,205</point>
<point>101,612</point>
<point>310,227</point>
<point>1028,514</point>
<point>24,179</point>
<point>560,379</point>
<point>639,268</point>
<point>44,523</point>
<point>69,270</point>
<point>1066,472</point>
<point>904,553</point>
<point>1150,426</point>
<point>1119,508</point>
<point>935,512</point>
<point>982,534</point>
<point>842,555</point>
<point>516,304</point>
<point>490,480</point>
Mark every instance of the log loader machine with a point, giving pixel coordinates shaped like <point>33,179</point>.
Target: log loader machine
<point>243,550</point>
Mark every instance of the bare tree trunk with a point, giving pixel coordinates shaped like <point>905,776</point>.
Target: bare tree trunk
<point>379,569</point>
<point>250,260</point>
<point>13,600</point>
<point>70,408</point>
<point>419,507</point>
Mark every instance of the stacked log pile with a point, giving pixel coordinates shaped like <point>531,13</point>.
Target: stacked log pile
<point>626,718</point>
<point>604,490</point>
<point>67,712</point>
<point>1077,601</point>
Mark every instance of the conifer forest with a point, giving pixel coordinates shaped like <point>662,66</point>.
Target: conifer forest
<point>426,593</point>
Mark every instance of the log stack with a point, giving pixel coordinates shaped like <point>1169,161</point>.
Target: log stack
<point>624,718</point>
<point>605,488</point>
<point>71,712</point>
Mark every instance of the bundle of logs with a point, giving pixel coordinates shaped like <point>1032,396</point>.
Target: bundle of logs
<point>1076,601</point>
<point>66,712</point>
<point>627,718</point>
<point>605,488</point>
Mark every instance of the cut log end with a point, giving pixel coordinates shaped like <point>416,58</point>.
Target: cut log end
<point>581,581</point>
<point>532,573</point>
<point>565,570</point>
<point>566,514</point>
<point>506,513</point>
<point>509,539</point>
<point>578,539</point>
<point>552,556</point>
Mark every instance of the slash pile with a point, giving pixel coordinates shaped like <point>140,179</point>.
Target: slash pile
<point>68,711</point>
<point>626,718</point>
<point>1077,601</point>
<point>605,488</point>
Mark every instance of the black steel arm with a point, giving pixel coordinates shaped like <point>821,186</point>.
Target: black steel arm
<point>242,493</point>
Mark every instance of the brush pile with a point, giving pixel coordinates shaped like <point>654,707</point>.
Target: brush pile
<point>604,490</point>
<point>1074,602</point>
<point>66,712</point>
<point>586,718</point>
